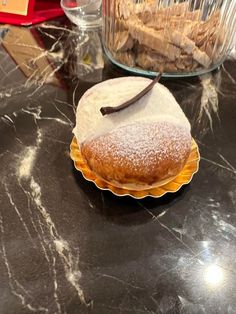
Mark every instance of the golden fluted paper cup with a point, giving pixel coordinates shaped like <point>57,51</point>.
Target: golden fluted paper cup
<point>183,178</point>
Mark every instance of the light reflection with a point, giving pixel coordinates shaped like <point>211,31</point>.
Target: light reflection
<point>214,275</point>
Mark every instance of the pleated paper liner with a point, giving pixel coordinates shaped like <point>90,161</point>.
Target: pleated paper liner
<point>184,177</point>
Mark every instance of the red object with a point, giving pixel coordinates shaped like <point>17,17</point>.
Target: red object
<point>38,11</point>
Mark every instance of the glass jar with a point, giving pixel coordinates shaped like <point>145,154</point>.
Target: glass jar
<point>178,38</point>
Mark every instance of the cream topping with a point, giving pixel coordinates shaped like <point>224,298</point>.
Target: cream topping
<point>157,105</point>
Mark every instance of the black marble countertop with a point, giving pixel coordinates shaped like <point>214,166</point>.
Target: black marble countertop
<point>67,247</point>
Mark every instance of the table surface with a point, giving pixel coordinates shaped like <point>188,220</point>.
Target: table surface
<point>66,246</point>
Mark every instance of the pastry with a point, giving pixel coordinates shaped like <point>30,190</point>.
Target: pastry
<point>142,146</point>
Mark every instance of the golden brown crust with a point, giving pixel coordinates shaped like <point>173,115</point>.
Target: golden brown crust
<point>140,153</point>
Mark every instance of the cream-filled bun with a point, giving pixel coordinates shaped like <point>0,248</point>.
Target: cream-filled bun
<point>140,147</point>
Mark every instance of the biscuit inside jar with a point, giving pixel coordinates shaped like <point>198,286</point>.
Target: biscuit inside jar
<point>140,147</point>
<point>169,39</point>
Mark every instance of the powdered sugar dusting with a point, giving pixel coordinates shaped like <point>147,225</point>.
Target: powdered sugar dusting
<point>157,105</point>
<point>143,146</point>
